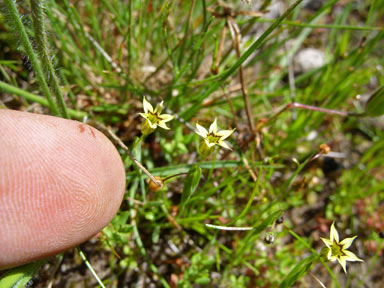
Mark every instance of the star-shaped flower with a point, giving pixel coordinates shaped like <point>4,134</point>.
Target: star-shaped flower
<point>154,117</point>
<point>212,137</point>
<point>337,250</point>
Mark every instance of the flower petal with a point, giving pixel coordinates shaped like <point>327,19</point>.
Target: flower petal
<point>224,144</point>
<point>334,234</point>
<point>147,106</point>
<point>166,117</point>
<point>144,115</point>
<point>349,256</point>
<point>153,126</point>
<point>209,144</point>
<point>213,127</point>
<point>159,107</point>
<point>347,242</point>
<point>200,130</point>
<point>327,242</point>
<point>343,263</point>
<point>163,125</point>
<point>224,133</point>
<point>330,256</point>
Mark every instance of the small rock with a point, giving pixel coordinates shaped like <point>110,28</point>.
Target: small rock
<point>308,59</point>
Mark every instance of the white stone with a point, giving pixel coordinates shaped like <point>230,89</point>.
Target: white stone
<point>308,59</point>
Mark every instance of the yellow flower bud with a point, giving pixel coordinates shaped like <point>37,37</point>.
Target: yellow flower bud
<point>146,129</point>
<point>204,150</point>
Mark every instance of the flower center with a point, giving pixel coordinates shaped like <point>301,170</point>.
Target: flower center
<point>213,138</point>
<point>337,250</point>
<point>154,118</point>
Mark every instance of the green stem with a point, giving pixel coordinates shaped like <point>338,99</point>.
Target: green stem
<point>90,267</point>
<point>213,164</point>
<point>144,253</point>
<point>38,99</point>
<point>325,26</point>
<point>250,200</point>
<point>41,41</point>
<point>138,141</point>
<point>15,18</point>
<point>175,175</point>
<point>136,233</point>
<point>136,149</point>
<point>129,38</point>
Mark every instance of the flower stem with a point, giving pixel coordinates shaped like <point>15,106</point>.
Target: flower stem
<point>175,175</point>
<point>82,255</point>
<point>312,108</point>
<point>120,143</point>
<point>35,98</point>
<point>213,164</point>
<point>41,41</point>
<point>15,18</point>
<point>138,141</point>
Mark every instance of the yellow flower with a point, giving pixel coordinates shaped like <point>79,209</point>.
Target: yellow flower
<point>337,250</point>
<point>154,117</point>
<point>212,137</point>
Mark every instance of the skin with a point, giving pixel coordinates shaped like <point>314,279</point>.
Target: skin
<point>61,182</point>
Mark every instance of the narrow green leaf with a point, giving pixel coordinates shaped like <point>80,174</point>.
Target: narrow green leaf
<point>19,276</point>
<point>190,185</point>
<point>184,168</point>
<point>297,272</point>
<point>267,222</point>
<point>189,112</point>
<point>250,237</point>
<point>375,103</point>
<point>35,98</point>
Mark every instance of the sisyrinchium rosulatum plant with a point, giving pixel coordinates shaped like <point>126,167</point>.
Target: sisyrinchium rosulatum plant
<point>302,135</point>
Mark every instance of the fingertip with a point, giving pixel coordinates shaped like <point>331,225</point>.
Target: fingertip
<point>61,182</point>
